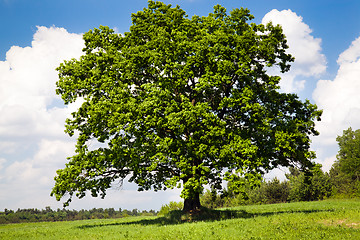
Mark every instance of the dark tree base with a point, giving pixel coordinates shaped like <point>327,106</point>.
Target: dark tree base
<point>192,205</point>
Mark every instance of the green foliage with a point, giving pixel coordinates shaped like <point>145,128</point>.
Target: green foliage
<point>330,219</point>
<point>300,186</point>
<point>267,192</point>
<point>210,199</point>
<point>238,184</point>
<point>180,101</point>
<point>245,193</point>
<point>309,186</point>
<point>276,191</point>
<point>172,206</point>
<point>345,172</point>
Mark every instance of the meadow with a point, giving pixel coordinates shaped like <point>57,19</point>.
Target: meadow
<point>328,219</point>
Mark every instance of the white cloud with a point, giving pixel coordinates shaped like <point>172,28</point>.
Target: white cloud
<point>39,170</point>
<point>309,61</point>
<point>327,163</point>
<point>340,100</point>
<point>31,126</point>
<point>352,54</point>
<point>27,83</point>
<point>30,71</point>
<point>7,147</point>
<point>2,161</point>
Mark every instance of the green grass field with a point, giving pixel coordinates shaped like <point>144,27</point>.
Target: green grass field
<point>330,219</point>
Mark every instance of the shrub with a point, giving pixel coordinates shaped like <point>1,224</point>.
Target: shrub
<point>276,191</point>
<point>167,208</point>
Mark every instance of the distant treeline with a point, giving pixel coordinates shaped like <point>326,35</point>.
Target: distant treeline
<point>49,215</point>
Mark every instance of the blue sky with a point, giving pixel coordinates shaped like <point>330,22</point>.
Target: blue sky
<point>336,22</point>
<point>324,37</point>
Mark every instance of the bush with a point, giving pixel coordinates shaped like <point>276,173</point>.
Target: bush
<point>210,199</point>
<point>241,192</point>
<point>276,191</point>
<point>167,208</point>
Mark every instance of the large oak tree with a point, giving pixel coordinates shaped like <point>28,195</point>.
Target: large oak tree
<point>181,102</point>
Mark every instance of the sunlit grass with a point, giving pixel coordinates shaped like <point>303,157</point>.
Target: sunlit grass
<point>330,219</point>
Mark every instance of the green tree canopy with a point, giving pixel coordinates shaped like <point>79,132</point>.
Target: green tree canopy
<point>180,102</point>
<point>345,172</point>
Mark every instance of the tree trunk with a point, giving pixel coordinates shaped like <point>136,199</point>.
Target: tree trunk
<point>192,204</point>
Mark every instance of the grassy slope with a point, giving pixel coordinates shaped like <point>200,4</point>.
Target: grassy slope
<point>330,219</point>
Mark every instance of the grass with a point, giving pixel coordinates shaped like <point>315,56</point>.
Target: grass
<point>330,219</point>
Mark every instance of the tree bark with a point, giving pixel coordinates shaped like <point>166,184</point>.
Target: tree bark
<point>192,204</point>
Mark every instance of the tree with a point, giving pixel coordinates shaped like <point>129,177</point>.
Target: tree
<point>276,191</point>
<point>345,172</point>
<point>309,185</point>
<point>178,102</point>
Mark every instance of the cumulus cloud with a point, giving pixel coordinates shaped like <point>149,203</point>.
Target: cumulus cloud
<point>309,61</point>
<point>339,98</point>
<point>31,125</point>
<point>27,83</point>
<point>352,54</point>
<point>30,179</point>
